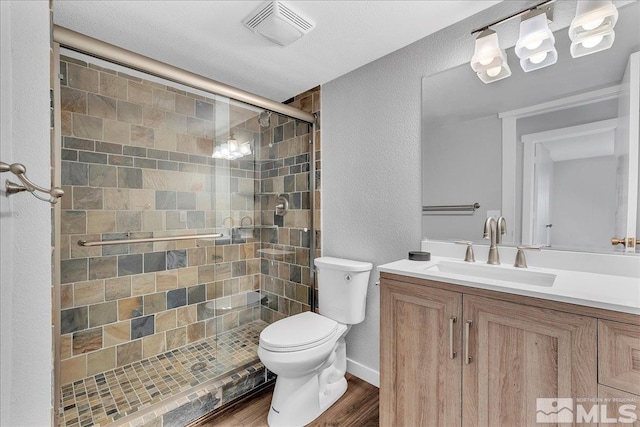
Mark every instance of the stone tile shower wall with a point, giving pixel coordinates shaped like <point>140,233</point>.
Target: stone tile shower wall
<point>285,156</point>
<point>136,163</point>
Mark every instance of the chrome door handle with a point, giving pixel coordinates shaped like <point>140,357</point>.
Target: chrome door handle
<point>452,353</point>
<point>467,331</point>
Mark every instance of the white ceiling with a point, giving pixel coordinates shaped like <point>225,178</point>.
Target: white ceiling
<point>208,37</point>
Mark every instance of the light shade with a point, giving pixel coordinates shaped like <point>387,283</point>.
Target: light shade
<point>591,30</point>
<point>536,44</point>
<point>489,61</point>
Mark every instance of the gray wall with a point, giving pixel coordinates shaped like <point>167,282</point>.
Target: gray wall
<point>460,166</point>
<point>371,175</point>
<point>25,223</point>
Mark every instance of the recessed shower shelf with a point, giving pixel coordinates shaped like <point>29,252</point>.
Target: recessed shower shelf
<point>244,193</point>
<point>275,252</point>
<point>251,227</point>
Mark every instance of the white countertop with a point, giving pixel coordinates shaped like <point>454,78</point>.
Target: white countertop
<point>605,291</point>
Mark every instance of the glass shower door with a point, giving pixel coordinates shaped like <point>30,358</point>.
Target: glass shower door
<point>144,323</point>
<point>171,322</point>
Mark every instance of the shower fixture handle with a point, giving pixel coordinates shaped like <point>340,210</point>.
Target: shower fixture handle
<point>282,205</point>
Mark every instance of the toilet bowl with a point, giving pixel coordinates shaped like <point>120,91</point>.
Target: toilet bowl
<point>307,351</point>
<point>302,393</point>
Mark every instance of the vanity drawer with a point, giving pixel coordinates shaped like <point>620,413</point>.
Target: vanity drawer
<point>619,356</point>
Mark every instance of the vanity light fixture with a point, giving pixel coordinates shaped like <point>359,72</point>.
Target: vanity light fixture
<point>592,28</point>
<point>489,61</point>
<point>536,44</point>
<point>591,31</point>
<point>231,150</point>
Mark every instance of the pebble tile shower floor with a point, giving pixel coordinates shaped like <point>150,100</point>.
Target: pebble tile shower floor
<point>109,396</point>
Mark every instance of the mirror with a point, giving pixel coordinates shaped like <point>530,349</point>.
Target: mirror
<point>549,149</point>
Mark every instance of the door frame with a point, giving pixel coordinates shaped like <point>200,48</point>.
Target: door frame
<point>528,171</point>
<point>509,144</point>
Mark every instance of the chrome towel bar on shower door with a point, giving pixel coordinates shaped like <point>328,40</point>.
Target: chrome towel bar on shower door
<point>148,240</point>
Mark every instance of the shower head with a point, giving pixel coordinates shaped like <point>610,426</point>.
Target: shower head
<point>265,119</point>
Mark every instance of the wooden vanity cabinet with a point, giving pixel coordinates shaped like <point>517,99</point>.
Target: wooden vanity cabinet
<point>420,377</point>
<point>507,354</point>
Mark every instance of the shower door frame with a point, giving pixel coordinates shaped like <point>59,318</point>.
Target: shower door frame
<point>63,37</point>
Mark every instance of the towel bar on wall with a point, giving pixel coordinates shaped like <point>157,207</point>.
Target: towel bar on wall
<point>452,208</point>
<point>20,170</point>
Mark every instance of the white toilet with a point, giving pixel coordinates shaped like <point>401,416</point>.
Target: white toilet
<point>307,351</point>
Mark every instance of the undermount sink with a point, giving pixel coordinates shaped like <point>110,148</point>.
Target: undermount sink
<point>495,272</point>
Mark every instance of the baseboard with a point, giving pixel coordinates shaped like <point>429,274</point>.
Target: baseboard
<point>365,373</point>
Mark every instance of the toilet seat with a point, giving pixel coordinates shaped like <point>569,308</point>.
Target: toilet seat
<point>299,332</point>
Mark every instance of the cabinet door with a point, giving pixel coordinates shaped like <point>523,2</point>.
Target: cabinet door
<point>420,377</point>
<point>519,354</point>
<point>619,351</point>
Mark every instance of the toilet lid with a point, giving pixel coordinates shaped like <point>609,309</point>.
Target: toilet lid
<point>298,332</point>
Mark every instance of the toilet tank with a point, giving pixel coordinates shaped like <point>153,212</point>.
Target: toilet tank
<point>342,288</point>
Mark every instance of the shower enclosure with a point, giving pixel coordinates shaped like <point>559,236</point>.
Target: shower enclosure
<point>186,228</point>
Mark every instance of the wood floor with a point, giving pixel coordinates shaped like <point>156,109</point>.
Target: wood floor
<point>358,407</point>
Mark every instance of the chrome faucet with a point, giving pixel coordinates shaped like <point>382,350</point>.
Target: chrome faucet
<point>501,225</point>
<point>494,230</point>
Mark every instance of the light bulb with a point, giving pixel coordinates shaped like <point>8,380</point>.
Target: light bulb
<point>492,72</point>
<point>538,57</point>
<point>592,41</point>
<point>486,61</point>
<point>592,25</point>
<point>232,144</point>
<point>245,149</point>
<point>533,44</point>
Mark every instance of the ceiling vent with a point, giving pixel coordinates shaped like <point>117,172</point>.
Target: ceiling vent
<point>279,23</point>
